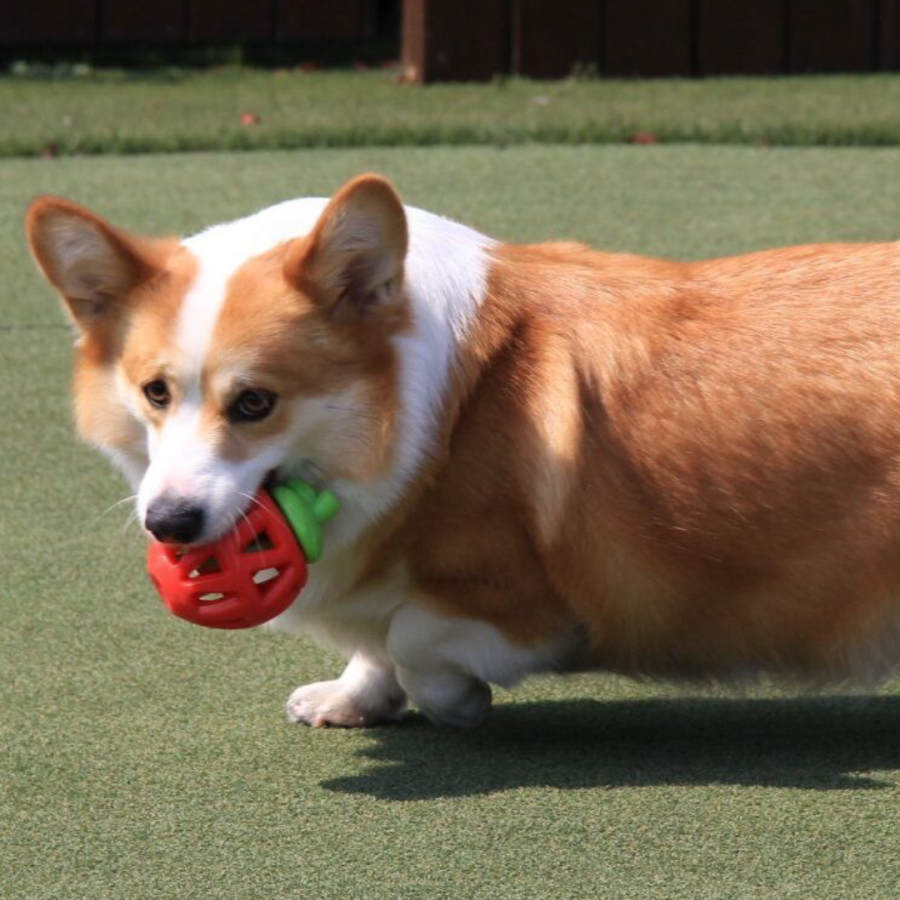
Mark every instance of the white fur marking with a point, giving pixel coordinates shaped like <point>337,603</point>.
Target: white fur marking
<point>421,641</point>
<point>446,665</point>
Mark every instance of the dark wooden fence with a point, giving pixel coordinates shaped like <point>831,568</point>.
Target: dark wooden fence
<point>478,39</point>
<point>55,23</point>
<point>446,40</point>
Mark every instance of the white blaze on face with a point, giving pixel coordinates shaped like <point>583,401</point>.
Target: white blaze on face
<point>177,456</point>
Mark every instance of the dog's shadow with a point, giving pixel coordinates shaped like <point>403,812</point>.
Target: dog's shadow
<point>822,743</point>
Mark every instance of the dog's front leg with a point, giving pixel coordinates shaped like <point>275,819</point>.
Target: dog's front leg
<point>366,694</point>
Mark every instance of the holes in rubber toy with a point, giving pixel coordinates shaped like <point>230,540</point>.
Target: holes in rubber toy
<point>264,576</point>
<point>261,542</point>
<point>210,598</point>
<point>208,567</point>
<point>266,580</point>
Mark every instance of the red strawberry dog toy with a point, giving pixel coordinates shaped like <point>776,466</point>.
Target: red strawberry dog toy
<point>256,570</point>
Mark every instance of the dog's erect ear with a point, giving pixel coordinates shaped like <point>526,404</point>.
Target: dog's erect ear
<point>352,262</point>
<point>91,263</point>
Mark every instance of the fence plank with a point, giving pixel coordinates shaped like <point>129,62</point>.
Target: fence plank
<point>735,36</point>
<point>47,21</point>
<point>318,20</point>
<point>161,21</point>
<point>832,35</point>
<point>455,40</point>
<point>650,38</point>
<point>234,21</point>
<point>549,40</point>
<point>889,35</point>
<point>412,40</point>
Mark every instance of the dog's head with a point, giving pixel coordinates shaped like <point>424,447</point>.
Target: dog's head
<point>203,366</point>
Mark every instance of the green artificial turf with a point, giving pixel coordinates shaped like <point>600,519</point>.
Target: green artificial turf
<point>171,110</point>
<point>144,758</point>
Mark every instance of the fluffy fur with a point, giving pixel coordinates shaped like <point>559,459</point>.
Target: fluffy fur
<point>547,456</point>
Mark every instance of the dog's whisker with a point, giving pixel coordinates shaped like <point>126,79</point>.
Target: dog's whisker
<point>245,517</point>
<point>109,509</point>
<point>251,498</point>
<point>131,520</point>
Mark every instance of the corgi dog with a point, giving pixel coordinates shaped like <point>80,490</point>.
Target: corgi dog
<point>548,458</point>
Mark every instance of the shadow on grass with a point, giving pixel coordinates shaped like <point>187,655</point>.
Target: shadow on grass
<point>809,744</point>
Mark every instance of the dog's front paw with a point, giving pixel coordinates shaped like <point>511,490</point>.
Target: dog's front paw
<point>331,703</point>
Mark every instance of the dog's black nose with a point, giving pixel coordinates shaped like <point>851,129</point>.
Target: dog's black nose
<point>174,520</point>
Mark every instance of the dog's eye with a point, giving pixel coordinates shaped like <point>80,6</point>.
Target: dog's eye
<point>252,405</point>
<point>157,393</point>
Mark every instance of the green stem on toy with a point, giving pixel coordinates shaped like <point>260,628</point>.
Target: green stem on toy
<point>306,509</point>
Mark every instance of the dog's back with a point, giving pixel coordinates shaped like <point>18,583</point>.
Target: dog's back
<point>697,462</point>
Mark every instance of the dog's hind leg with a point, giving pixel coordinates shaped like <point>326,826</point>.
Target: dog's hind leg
<point>446,665</point>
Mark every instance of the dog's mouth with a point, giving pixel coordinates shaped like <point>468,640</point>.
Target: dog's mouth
<point>269,481</point>
<point>214,531</point>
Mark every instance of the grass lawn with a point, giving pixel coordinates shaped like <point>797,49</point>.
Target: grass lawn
<point>200,110</point>
<point>144,758</point>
